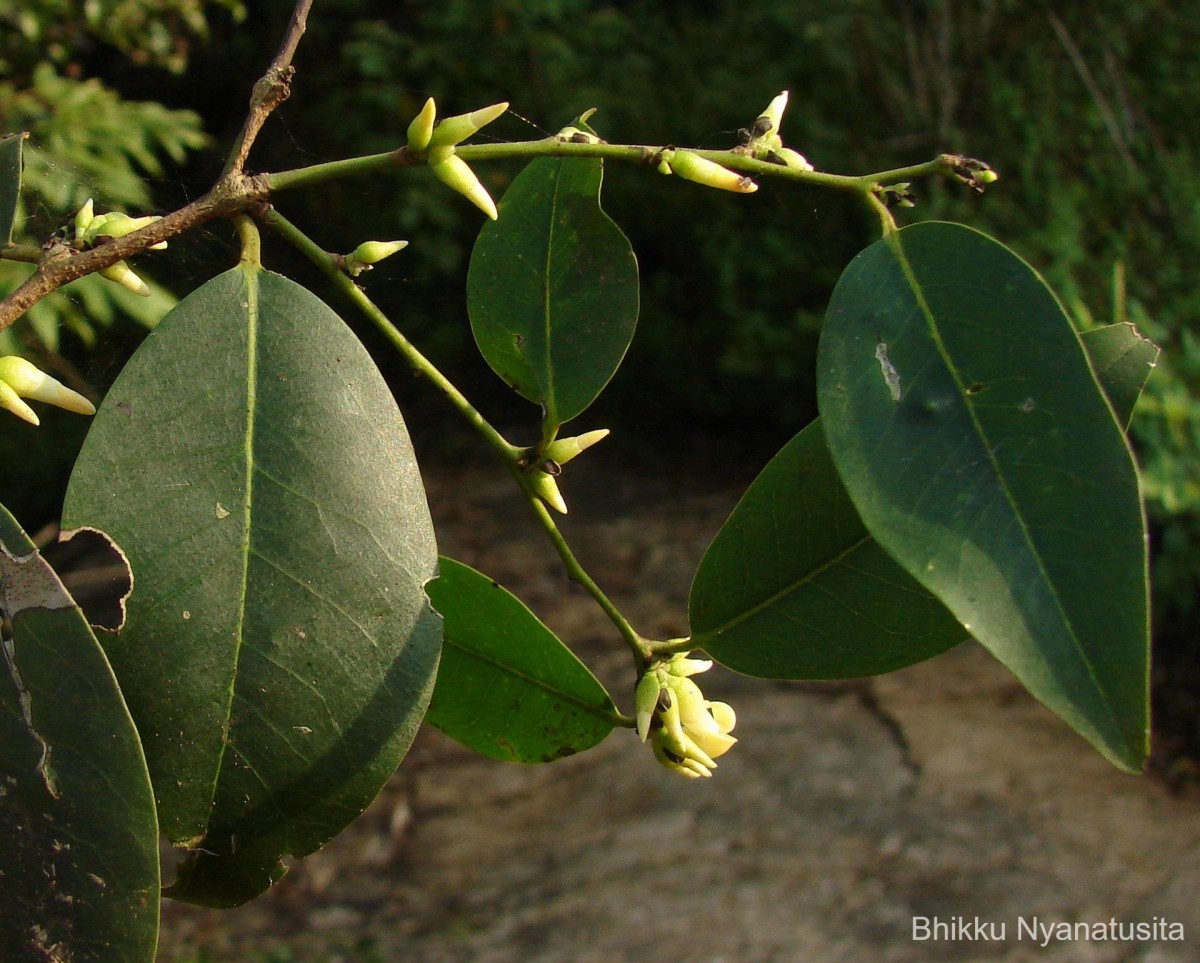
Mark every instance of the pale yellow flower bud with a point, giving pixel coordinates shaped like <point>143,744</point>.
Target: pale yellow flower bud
<point>115,224</point>
<point>369,253</point>
<point>453,171</point>
<point>693,167</point>
<point>546,488</point>
<point>771,119</point>
<point>454,130</point>
<point>83,219</point>
<point>421,129</point>
<point>645,701</point>
<point>564,449</point>
<point>21,379</point>
<point>122,274</point>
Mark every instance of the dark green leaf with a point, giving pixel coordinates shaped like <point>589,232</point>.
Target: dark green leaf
<point>10,183</point>
<point>506,686</point>
<point>1122,360</point>
<point>553,288</point>
<point>794,587</point>
<point>966,423</point>
<point>280,650</point>
<point>79,859</point>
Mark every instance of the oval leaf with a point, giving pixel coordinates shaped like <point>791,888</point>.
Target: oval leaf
<point>79,863</point>
<point>794,587</point>
<point>553,288</point>
<point>967,425</point>
<point>507,687</point>
<point>279,651</point>
<point>10,183</point>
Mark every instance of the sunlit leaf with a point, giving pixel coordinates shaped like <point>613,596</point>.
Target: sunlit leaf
<point>968,427</point>
<point>553,288</point>
<point>280,650</point>
<point>507,687</point>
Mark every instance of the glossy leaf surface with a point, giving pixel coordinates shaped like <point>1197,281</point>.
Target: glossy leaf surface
<point>279,651</point>
<point>967,425</point>
<point>553,288</point>
<point>794,587</point>
<point>507,687</point>
<point>10,183</point>
<point>79,876</point>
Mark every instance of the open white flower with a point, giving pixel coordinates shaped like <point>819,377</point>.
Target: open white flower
<point>687,732</point>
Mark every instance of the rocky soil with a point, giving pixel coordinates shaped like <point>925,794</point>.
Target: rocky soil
<point>845,811</point>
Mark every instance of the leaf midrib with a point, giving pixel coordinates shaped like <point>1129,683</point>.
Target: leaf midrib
<point>250,273</point>
<point>896,247</point>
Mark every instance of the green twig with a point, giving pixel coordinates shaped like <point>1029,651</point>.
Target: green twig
<point>626,153</point>
<point>511,454</point>
<point>420,365</point>
<point>29,253</point>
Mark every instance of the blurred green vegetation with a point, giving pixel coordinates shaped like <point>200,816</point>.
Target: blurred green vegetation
<point>1085,109</point>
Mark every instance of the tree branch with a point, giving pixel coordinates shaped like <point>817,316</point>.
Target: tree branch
<point>233,194</point>
<point>271,90</point>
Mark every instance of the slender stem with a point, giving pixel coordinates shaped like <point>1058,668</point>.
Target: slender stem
<point>271,90</point>
<point>640,646</point>
<point>417,361</point>
<point>627,153</point>
<point>29,253</point>
<point>511,454</point>
<point>251,242</point>
<point>885,216</point>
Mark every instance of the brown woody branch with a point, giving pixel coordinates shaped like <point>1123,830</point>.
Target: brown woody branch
<point>235,193</point>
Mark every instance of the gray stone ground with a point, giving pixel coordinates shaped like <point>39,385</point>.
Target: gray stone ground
<point>844,812</point>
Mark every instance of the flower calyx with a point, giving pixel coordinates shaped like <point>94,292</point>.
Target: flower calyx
<point>693,167</point>
<point>543,464</point>
<point>21,379</point>
<point>686,731</point>
<point>368,254</point>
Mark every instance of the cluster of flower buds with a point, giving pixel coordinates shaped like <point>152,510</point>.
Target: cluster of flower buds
<point>763,141</point>
<point>368,254</point>
<point>92,228</point>
<point>20,379</point>
<point>693,167</point>
<point>546,466</point>
<point>437,143</point>
<point>686,731</point>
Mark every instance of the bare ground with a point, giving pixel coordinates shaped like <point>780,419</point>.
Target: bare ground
<point>845,811</point>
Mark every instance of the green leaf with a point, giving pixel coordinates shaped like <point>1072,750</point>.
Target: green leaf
<point>1122,360</point>
<point>794,587</point>
<point>79,862</point>
<point>965,421</point>
<point>506,686</point>
<point>10,183</point>
<point>280,650</point>
<point>553,288</point>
